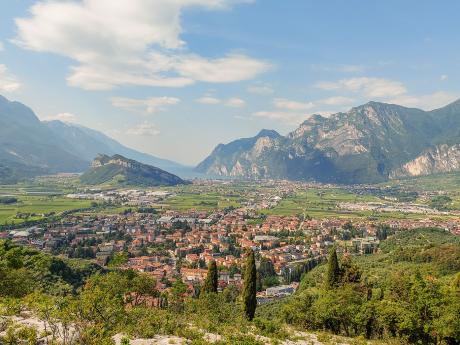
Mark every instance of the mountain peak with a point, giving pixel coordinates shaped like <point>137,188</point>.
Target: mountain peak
<point>362,145</point>
<point>271,133</point>
<point>376,105</point>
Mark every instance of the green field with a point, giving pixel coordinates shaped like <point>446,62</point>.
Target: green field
<point>37,207</point>
<point>45,195</point>
<point>39,197</point>
<point>201,201</point>
<point>448,184</point>
<point>321,203</point>
<point>445,182</point>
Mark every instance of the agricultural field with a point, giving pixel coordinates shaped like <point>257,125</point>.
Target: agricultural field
<point>39,197</point>
<point>445,182</point>
<point>201,201</point>
<point>322,203</point>
<point>36,207</point>
<point>319,202</point>
<point>46,195</point>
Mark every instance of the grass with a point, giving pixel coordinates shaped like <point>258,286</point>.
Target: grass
<point>44,195</point>
<point>320,203</point>
<point>446,182</point>
<point>38,206</point>
<point>201,201</point>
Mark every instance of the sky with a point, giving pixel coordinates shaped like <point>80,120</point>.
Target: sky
<point>174,78</point>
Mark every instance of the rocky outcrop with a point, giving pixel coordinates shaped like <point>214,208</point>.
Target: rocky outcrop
<point>119,170</point>
<point>364,145</point>
<point>440,159</point>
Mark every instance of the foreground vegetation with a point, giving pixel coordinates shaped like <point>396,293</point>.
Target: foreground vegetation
<point>409,293</point>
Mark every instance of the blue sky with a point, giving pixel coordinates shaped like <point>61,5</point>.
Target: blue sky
<point>176,77</point>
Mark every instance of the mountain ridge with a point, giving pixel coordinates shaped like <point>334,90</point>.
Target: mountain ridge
<point>30,147</point>
<point>97,142</point>
<point>366,144</point>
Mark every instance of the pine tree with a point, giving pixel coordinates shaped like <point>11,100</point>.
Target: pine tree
<point>333,274</point>
<point>210,284</point>
<point>250,286</point>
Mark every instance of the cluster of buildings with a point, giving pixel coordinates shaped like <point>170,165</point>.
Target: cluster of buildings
<point>171,245</point>
<point>131,197</point>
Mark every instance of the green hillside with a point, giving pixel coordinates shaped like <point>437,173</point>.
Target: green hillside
<point>120,171</point>
<point>410,291</point>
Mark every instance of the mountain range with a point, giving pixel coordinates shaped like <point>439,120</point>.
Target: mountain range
<point>121,171</point>
<point>29,147</point>
<point>370,143</point>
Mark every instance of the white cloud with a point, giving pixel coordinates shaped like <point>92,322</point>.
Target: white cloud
<point>144,130</point>
<point>343,68</point>
<point>444,77</point>
<point>133,42</point>
<point>64,117</point>
<point>337,100</point>
<point>235,102</point>
<point>232,68</point>
<point>385,90</point>
<point>292,105</point>
<point>261,89</point>
<point>427,102</point>
<point>294,112</point>
<point>286,116</point>
<point>369,87</point>
<point>8,82</point>
<point>149,105</point>
<point>208,100</point>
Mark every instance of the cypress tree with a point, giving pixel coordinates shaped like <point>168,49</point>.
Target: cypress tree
<point>210,284</point>
<point>333,273</point>
<point>250,286</point>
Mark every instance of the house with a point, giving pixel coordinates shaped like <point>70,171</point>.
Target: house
<point>282,290</point>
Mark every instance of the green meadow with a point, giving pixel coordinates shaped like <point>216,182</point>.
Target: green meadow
<point>36,207</point>
<point>319,202</point>
<point>322,203</point>
<point>201,201</point>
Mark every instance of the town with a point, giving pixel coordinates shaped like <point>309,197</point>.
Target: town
<point>149,230</point>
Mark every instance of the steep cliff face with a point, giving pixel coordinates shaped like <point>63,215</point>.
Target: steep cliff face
<point>128,172</point>
<point>440,159</point>
<point>248,157</point>
<point>365,144</point>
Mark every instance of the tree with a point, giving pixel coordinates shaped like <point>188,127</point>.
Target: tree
<point>177,296</point>
<point>210,284</point>
<point>250,286</point>
<point>118,259</point>
<point>266,268</point>
<point>141,289</point>
<point>333,275</point>
<point>350,272</point>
